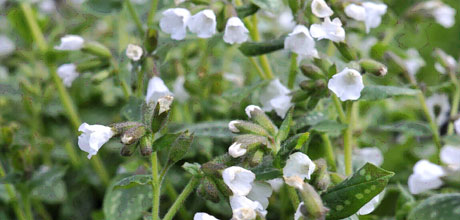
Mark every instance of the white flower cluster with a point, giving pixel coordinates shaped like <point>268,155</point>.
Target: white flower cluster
<point>442,13</point>
<point>175,22</point>
<point>369,12</point>
<point>68,72</point>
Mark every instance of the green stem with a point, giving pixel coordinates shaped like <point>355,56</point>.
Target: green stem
<point>13,198</point>
<point>257,66</point>
<point>433,125</point>
<point>151,16</point>
<point>330,158</point>
<point>27,206</point>
<point>98,166</point>
<point>348,139</point>
<point>135,17</point>
<point>292,71</point>
<point>293,196</point>
<point>74,159</point>
<point>140,82</point>
<point>263,59</point>
<point>172,194</point>
<point>39,39</point>
<point>38,206</point>
<point>182,197</point>
<point>339,108</point>
<point>155,187</point>
<point>455,102</point>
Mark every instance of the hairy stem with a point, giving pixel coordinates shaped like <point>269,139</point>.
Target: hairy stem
<point>153,10</point>
<point>433,125</point>
<point>292,71</point>
<point>182,197</point>
<point>155,187</point>
<point>330,158</point>
<point>348,139</point>
<point>455,102</point>
<point>338,107</point>
<point>135,17</point>
<point>293,196</point>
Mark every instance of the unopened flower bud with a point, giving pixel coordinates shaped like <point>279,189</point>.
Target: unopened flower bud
<point>321,178</point>
<point>347,52</point>
<point>257,158</point>
<point>312,71</point>
<point>208,190</point>
<point>212,168</point>
<point>161,113</point>
<point>132,135</point>
<point>100,76</point>
<point>246,142</point>
<point>299,96</point>
<point>96,49</point>
<point>145,145</point>
<point>312,202</point>
<point>374,67</point>
<point>238,126</point>
<point>151,40</point>
<point>91,65</point>
<point>256,114</point>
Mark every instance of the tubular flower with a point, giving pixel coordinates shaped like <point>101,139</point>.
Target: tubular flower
<point>320,9</point>
<point>174,22</point>
<point>93,137</point>
<point>426,176</point>
<point>134,52</point>
<point>299,164</point>
<point>203,23</point>
<point>70,42</point>
<point>245,209</point>
<point>156,89</point>
<point>331,30</point>
<point>347,85</point>
<point>68,73</point>
<point>235,31</point>
<point>299,41</point>
<point>238,179</point>
<point>276,97</point>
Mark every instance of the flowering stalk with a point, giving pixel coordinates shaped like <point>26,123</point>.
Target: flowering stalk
<point>155,187</point>
<point>329,152</point>
<point>338,107</point>
<point>182,197</point>
<point>292,71</point>
<point>348,139</point>
<point>33,26</point>
<point>433,125</point>
<point>254,32</point>
<point>135,17</point>
<point>153,10</point>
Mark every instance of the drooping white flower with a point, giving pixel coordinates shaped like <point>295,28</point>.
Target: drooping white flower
<point>235,31</point>
<point>203,23</point>
<point>331,30</point>
<point>374,13</point>
<point>245,209</point>
<point>347,85</point>
<point>276,184</point>
<point>356,12</point>
<point>371,205</point>
<point>320,9</point>
<point>203,216</point>
<point>450,155</point>
<point>276,97</point>
<point>298,213</point>
<point>438,102</point>
<point>260,192</point>
<point>174,22</point>
<point>299,165</point>
<point>457,126</point>
<point>179,91</point>
<point>286,20</point>
<point>134,52</point>
<point>299,41</point>
<point>93,137</point>
<point>370,155</point>
<point>425,176</point>
<point>414,61</point>
<point>445,15</point>
<point>238,179</point>
<point>156,89</point>
<point>235,150</point>
<point>251,108</point>
<point>70,42</point>
<point>6,45</point>
<point>68,73</point>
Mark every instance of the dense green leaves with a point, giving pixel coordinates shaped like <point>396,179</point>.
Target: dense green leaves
<point>283,132</point>
<point>442,206</point>
<point>373,92</point>
<point>328,126</point>
<point>260,48</point>
<point>180,146</point>
<point>132,110</point>
<point>347,197</point>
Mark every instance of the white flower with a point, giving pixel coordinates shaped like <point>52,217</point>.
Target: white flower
<point>47,6</point>
<point>251,108</point>
<point>450,155</point>
<point>276,97</point>
<point>232,127</point>
<point>203,216</point>
<point>445,15</point>
<point>331,30</point>
<point>68,73</point>
<point>70,42</point>
<point>156,89</point>
<point>93,137</point>
<point>179,91</point>
<point>299,165</point>
<point>371,155</point>
<point>299,41</point>
<point>438,102</point>
<point>235,31</point>
<point>298,213</point>
<point>174,22</point>
<point>426,176</point>
<point>371,205</point>
<point>260,192</point>
<point>374,13</point>
<point>203,23</point>
<point>320,9</point>
<point>134,52</point>
<point>245,209</point>
<point>286,20</point>
<point>238,179</point>
<point>457,126</point>
<point>347,85</point>
<point>356,12</point>
<point>6,45</point>
<point>276,184</point>
<point>235,150</point>
<point>294,181</point>
<point>414,61</point>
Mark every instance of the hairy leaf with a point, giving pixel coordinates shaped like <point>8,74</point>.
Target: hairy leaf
<point>373,92</point>
<point>441,206</point>
<point>260,48</point>
<point>134,180</point>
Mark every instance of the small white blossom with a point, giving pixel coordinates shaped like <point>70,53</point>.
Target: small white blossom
<point>347,85</point>
<point>331,30</point>
<point>260,192</point>
<point>134,52</point>
<point>68,73</point>
<point>203,216</point>
<point>179,90</point>
<point>93,137</point>
<point>426,176</point>
<point>235,150</point>
<point>370,155</point>
<point>298,213</point>
<point>276,184</point>
<point>438,67</point>
<point>414,61</point>
<point>251,108</point>
<point>174,22</point>
<point>203,23</point>
<point>299,165</point>
<point>439,102</point>
<point>70,42</point>
<point>245,209</point>
<point>374,13</point>
<point>371,205</point>
<point>320,9</point>
<point>356,12</point>
<point>444,15</point>
<point>6,45</point>
<point>276,97</point>
<point>47,6</point>
<point>299,41</point>
<point>450,155</point>
<point>156,89</point>
<point>238,179</point>
<point>232,127</point>
<point>286,20</point>
<point>235,31</point>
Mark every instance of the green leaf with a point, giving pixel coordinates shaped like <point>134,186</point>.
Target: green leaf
<point>409,127</point>
<point>238,94</point>
<point>246,10</point>
<point>266,170</point>
<point>285,127</point>
<point>180,146</point>
<point>134,180</point>
<point>50,176</point>
<point>51,192</point>
<point>132,110</point>
<point>260,48</point>
<point>270,5</point>
<point>215,129</point>
<point>311,118</point>
<point>164,141</point>
<point>295,142</point>
<point>18,22</point>
<point>452,140</point>
<point>452,179</point>
<point>127,203</point>
<point>373,92</point>
<point>441,206</point>
<point>347,197</point>
<point>328,126</point>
